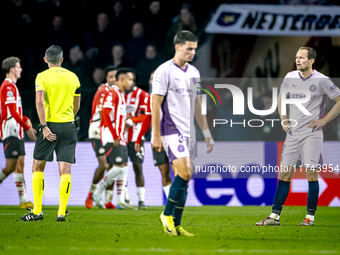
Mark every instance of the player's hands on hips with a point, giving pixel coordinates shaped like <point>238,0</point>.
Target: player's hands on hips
<point>287,128</point>
<point>31,132</point>
<point>116,142</point>
<point>49,135</point>
<point>157,143</point>
<point>210,144</point>
<point>316,124</point>
<point>137,147</point>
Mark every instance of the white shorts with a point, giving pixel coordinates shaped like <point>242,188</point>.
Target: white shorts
<point>307,148</point>
<point>179,146</point>
<point>94,130</point>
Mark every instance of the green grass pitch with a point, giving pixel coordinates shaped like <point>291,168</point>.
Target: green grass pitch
<point>218,229</point>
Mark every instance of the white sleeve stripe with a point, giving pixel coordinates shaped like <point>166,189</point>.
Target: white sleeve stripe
<point>10,102</point>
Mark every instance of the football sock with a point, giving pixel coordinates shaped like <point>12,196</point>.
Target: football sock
<point>141,193</point>
<point>280,197</point>
<point>121,181</point>
<point>38,191</point>
<point>313,196</point>
<point>166,190</point>
<point>20,183</point>
<point>179,207</point>
<point>64,193</point>
<point>274,216</point>
<point>108,196</point>
<point>93,187</point>
<point>126,193</point>
<point>311,217</point>
<point>108,179</point>
<point>176,190</point>
<point>2,176</point>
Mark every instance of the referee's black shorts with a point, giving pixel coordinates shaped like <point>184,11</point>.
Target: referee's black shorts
<point>64,146</point>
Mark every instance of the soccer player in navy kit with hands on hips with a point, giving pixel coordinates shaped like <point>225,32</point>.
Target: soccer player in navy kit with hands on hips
<point>173,114</point>
<point>304,140</point>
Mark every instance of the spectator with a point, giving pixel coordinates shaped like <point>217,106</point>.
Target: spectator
<point>147,64</point>
<point>155,23</point>
<point>78,64</point>
<point>118,59</point>
<point>99,40</point>
<point>122,20</point>
<point>186,21</point>
<point>58,35</point>
<point>135,47</point>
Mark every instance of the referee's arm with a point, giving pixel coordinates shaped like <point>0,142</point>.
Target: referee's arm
<point>76,104</point>
<point>76,101</point>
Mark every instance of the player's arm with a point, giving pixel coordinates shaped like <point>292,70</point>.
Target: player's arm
<point>108,106</point>
<point>24,122</point>
<point>203,124</point>
<point>287,128</point>
<point>331,115</point>
<point>156,122</point>
<point>40,105</point>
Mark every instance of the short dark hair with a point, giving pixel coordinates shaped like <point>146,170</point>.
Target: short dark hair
<point>124,70</point>
<point>311,53</point>
<point>9,63</point>
<point>183,36</point>
<point>54,54</point>
<point>109,68</point>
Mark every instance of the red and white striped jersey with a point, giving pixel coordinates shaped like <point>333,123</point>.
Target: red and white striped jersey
<point>97,105</point>
<point>97,102</point>
<point>135,103</point>
<point>9,94</point>
<point>113,117</point>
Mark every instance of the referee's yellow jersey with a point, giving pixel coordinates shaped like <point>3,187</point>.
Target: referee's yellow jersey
<point>60,86</point>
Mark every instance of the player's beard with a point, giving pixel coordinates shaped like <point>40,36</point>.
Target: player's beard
<point>305,69</point>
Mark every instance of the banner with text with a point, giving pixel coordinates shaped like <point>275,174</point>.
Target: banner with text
<point>275,20</point>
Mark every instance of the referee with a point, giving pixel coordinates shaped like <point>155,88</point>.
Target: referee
<point>57,103</point>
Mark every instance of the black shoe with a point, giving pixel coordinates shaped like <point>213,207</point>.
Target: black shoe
<point>61,218</point>
<point>67,213</point>
<point>32,217</point>
<point>142,206</point>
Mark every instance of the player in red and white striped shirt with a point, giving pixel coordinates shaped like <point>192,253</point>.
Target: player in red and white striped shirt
<point>94,135</point>
<point>12,126</point>
<point>160,158</point>
<point>113,137</point>
<point>135,106</point>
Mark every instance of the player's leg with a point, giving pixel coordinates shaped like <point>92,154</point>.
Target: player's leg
<point>20,183</point>
<point>38,186</point>
<point>117,157</point>
<point>8,169</point>
<point>176,147</point>
<point>162,161</point>
<point>312,157</point>
<point>139,179</point>
<point>179,208</point>
<point>43,151</point>
<point>109,196</point>
<point>137,159</point>
<point>12,148</point>
<point>289,158</point>
<point>166,180</point>
<point>66,153</point>
<point>64,188</point>
<point>98,175</point>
